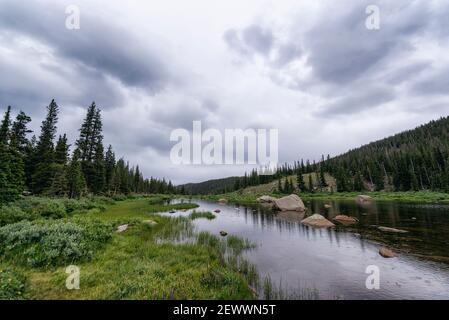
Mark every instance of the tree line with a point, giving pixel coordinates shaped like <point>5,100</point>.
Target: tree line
<point>44,165</point>
<point>413,160</point>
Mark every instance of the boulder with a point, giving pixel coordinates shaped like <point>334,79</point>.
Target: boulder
<point>391,230</point>
<point>217,210</point>
<point>223,233</point>
<point>149,222</point>
<point>387,253</point>
<point>345,220</point>
<point>317,221</point>
<point>223,201</point>
<point>327,206</point>
<point>363,199</point>
<point>266,199</point>
<point>122,228</point>
<point>290,203</point>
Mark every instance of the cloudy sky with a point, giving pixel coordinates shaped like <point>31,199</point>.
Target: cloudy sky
<point>308,68</point>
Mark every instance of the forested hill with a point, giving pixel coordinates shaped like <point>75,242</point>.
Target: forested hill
<point>412,160</point>
<point>211,186</point>
<point>416,159</point>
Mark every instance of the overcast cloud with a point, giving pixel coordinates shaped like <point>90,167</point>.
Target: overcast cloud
<point>310,69</point>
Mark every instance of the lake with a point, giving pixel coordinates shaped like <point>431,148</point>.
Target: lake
<point>333,262</point>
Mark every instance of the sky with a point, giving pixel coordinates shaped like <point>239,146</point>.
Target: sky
<point>311,69</point>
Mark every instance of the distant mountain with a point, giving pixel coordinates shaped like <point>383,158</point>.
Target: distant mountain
<point>211,186</point>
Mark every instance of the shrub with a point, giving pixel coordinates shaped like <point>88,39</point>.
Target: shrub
<point>119,197</point>
<point>12,214</point>
<point>52,209</point>
<point>53,243</point>
<point>12,284</point>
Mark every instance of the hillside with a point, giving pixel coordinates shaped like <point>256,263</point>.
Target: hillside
<point>210,186</point>
<point>413,160</point>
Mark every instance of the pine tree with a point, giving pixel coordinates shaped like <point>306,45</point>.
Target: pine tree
<point>62,150</point>
<point>310,183</point>
<point>19,131</point>
<point>5,127</point>
<point>76,182</point>
<point>45,155</point>
<point>109,168</point>
<point>300,182</point>
<point>7,190</point>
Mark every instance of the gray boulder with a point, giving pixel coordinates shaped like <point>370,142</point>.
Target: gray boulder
<point>317,221</point>
<point>290,203</point>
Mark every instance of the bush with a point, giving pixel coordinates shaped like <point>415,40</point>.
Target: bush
<point>12,214</point>
<point>43,207</point>
<point>53,243</point>
<point>119,197</point>
<point>12,285</point>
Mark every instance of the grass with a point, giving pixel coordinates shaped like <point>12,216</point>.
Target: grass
<point>409,196</point>
<point>144,262</point>
<point>202,214</point>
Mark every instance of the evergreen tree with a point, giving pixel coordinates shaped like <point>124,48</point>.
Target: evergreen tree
<point>109,168</point>
<point>62,150</point>
<point>45,154</point>
<point>76,182</point>
<point>19,131</point>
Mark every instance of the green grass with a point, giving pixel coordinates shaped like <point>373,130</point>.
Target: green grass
<point>200,214</point>
<point>410,196</point>
<point>145,262</point>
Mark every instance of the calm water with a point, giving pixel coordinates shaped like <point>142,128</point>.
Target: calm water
<point>334,261</point>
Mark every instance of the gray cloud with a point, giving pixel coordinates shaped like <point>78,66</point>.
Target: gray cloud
<point>435,84</point>
<point>98,44</point>
<point>359,100</point>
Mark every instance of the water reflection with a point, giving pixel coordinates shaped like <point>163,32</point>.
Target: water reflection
<point>334,260</point>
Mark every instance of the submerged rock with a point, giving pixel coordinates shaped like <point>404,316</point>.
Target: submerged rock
<point>289,203</point>
<point>387,253</point>
<point>317,221</point>
<point>392,230</point>
<point>363,199</point>
<point>223,233</point>
<point>345,220</point>
<point>122,228</point>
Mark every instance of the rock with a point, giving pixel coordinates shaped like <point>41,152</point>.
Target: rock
<point>362,199</point>
<point>266,199</point>
<point>413,218</point>
<point>317,221</point>
<point>223,233</point>
<point>223,201</point>
<point>387,253</point>
<point>327,206</point>
<point>392,230</point>
<point>217,210</point>
<point>122,228</point>
<point>149,222</point>
<point>172,211</point>
<point>290,203</point>
<point>345,220</point>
